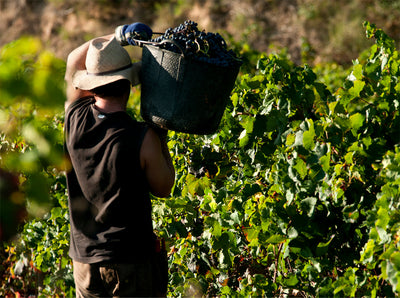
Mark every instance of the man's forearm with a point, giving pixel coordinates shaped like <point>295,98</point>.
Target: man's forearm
<point>76,61</point>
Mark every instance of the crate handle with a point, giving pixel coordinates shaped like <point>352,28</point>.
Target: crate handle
<point>141,43</point>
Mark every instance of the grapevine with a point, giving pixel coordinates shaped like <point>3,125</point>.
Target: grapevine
<point>305,202</point>
<point>201,46</point>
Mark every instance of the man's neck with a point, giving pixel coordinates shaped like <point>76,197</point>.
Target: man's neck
<point>109,105</point>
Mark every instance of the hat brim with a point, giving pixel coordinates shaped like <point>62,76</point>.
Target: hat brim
<point>86,81</point>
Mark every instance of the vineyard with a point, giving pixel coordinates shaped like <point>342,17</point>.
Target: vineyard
<point>297,194</point>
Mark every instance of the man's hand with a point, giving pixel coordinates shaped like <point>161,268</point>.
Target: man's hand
<point>126,33</point>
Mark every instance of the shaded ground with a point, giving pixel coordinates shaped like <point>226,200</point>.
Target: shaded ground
<point>325,30</point>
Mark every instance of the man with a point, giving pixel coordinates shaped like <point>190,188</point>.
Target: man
<point>115,163</point>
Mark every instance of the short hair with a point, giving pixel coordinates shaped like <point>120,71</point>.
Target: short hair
<point>117,88</point>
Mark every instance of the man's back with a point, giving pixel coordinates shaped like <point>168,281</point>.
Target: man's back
<point>109,202</point>
<point>115,163</point>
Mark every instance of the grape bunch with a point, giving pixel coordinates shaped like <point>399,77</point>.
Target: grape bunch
<point>198,45</point>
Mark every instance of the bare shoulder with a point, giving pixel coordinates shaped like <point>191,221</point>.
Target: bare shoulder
<point>156,163</point>
<point>151,137</point>
<point>151,145</point>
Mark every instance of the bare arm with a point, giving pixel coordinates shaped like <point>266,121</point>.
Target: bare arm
<point>76,61</point>
<point>157,164</point>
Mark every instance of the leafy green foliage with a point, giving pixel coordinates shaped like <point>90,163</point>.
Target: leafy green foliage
<point>32,99</point>
<point>39,262</point>
<point>31,177</point>
<point>284,197</point>
<point>296,194</point>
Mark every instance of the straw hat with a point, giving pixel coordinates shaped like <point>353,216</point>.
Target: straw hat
<point>106,62</point>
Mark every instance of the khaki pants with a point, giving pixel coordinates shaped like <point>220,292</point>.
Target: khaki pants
<point>119,280</point>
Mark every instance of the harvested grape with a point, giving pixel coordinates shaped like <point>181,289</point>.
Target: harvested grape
<point>198,45</point>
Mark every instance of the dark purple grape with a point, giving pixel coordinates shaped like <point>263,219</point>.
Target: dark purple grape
<point>198,45</point>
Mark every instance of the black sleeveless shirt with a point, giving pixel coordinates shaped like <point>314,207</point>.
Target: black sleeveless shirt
<point>109,203</point>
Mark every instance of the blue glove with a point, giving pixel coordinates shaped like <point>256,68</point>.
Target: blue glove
<point>125,33</point>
